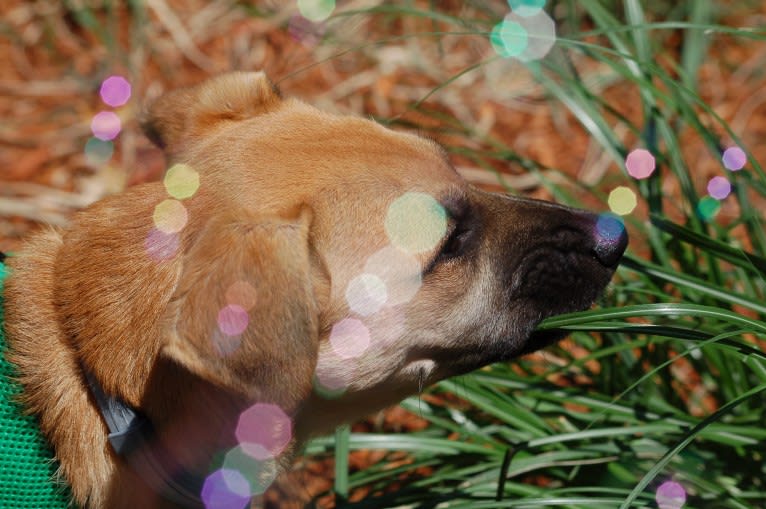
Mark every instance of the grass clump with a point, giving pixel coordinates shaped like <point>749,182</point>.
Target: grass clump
<point>665,382</point>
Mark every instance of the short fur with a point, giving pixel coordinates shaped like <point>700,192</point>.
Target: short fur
<point>293,202</point>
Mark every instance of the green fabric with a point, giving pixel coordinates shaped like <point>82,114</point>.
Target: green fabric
<point>27,467</point>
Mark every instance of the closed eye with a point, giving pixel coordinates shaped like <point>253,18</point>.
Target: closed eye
<point>461,234</point>
<point>455,244</point>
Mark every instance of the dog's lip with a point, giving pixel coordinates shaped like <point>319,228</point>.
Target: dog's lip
<point>540,339</point>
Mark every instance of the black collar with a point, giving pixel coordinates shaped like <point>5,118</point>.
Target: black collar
<point>133,438</point>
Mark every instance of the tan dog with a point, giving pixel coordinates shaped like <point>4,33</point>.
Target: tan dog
<point>317,254</point>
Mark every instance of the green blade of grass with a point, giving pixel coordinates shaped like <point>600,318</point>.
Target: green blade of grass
<point>654,310</point>
<point>691,435</point>
<point>342,447</point>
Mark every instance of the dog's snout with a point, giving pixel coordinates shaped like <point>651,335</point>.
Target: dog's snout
<point>610,239</point>
<point>603,236</point>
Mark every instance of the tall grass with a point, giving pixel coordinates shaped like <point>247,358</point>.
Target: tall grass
<point>673,384</point>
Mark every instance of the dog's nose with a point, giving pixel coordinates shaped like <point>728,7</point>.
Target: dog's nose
<point>611,239</point>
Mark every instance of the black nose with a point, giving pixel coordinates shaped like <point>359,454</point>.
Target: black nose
<point>611,239</point>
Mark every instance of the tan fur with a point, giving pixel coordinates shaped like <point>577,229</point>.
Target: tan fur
<point>50,372</point>
<point>292,206</point>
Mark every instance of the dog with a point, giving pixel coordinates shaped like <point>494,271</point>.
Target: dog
<point>293,271</point>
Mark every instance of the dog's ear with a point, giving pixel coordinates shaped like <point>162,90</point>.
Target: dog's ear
<point>244,315</point>
<point>181,116</point>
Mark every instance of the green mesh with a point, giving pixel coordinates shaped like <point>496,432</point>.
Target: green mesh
<point>27,467</point>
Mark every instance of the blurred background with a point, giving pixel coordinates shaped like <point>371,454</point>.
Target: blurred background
<point>655,111</point>
<point>425,65</point>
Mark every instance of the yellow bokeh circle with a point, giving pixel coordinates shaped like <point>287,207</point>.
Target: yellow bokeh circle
<point>622,200</point>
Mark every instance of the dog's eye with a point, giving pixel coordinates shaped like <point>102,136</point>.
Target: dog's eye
<point>462,236</point>
<point>455,244</point>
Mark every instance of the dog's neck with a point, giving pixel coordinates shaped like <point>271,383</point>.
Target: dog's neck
<point>133,438</point>
<point>180,430</point>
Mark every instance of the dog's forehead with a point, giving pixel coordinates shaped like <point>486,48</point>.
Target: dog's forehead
<point>364,166</point>
<point>300,154</point>
<point>323,146</point>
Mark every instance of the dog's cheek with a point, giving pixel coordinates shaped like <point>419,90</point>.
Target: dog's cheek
<point>467,317</point>
<point>361,353</point>
<point>448,327</point>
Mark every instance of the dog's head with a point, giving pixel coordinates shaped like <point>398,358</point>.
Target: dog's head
<point>330,253</point>
<point>293,256</point>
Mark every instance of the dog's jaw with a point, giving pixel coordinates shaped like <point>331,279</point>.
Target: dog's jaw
<point>489,308</point>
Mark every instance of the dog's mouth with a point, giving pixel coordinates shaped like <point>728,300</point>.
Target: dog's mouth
<point>540,339</point>
<point>552,282</point>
